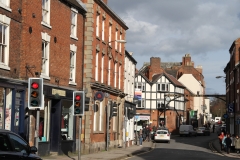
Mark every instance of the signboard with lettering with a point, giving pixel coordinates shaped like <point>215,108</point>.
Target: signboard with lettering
<point>230,108</point>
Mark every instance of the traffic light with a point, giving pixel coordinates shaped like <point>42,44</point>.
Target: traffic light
<point>35,93</point>
<point>78,103</point>
<point>113,110</point>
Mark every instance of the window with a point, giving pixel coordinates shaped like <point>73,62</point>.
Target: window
<point>120,44</point>
<point>140,86</point>
<point>116,43</point>
<point>119,77</point>
<point>102,69</point>
<point>110,35</point>
<point>97,25</point>
<point>96,66</point>
<point>73,50</point>
<point>143,103</point>
<point>4,42</point>
<point>109,72</point>
<point>98,117</point>
<point>115,75</point>
<point>74,23</point>
<point>67,120</point>
<point>5,145</point>
<point>45,56</point>
<point>163,87</point>
<point>5,4</point>
<point>19,145</point>
<point>103,28</point>
<point>46,13</point>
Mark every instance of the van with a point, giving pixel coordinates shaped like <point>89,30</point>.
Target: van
<point>187,130</point>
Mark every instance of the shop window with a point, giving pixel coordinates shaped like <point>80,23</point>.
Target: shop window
<point>8,109</point>
<point>67,121</point>
<point>44,122</point>
<point>2,108</point>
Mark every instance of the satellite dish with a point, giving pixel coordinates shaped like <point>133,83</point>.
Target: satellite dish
<point>106,95</point>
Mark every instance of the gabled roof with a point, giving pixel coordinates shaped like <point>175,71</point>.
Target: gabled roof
<point>130,57</point>
<point>140,73</point>
<point>172,79</point>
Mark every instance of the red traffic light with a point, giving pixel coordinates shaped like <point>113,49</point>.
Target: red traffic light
<point>78,98</point>
<point>34,85</point>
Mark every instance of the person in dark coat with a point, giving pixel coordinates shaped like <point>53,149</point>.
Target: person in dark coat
<point>213,128</point>
<point>228,142</point>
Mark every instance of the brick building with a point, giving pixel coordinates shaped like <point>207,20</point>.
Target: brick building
<point>103,76</point>
<point>43,39</point>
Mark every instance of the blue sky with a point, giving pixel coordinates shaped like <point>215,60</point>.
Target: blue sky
<point>169,29</point>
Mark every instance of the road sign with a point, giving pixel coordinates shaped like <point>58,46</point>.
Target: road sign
<point>225,115</point>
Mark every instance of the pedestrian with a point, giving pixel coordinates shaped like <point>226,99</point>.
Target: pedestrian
<point>144,134</point>
<point>224,142</point>
<point>233,143</point>
<point>220,137</point>
<point>237,144</point>
<point>228,143</point>
<point>140,137</point>
<point>213,128</point>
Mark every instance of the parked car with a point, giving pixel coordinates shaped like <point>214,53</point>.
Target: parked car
<point>187,130</point>
<point>13,146</point>
<point>162,135</point>
<point>203,131</point>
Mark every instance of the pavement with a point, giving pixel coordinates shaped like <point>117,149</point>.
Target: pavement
<point>112,154</point>
<point>215,147</point>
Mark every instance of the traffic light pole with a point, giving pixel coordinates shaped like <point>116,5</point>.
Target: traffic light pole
<point>37,128</point>
<point>79,137</point>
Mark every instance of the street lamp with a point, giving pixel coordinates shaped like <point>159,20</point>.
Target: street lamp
<point>220,77</point>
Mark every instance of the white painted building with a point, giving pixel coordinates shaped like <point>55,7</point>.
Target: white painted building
<point>129,77</point>
<point>197,88</point>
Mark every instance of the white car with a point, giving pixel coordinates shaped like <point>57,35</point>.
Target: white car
<point>162,135</point>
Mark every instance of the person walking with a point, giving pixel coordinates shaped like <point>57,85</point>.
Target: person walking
<point>220,137</point>
<point>224,143</point>
<point>140,137</point>
<point>228,143</point>
<point>213,128</point>
<point>233,143</point>
<point>237,144</point>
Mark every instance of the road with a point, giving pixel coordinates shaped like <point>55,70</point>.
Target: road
<point>183,148</point>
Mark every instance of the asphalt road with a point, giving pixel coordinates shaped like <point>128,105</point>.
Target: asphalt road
<point>183,148</point>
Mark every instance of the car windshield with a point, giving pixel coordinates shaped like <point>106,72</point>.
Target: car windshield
<point>201,128</point>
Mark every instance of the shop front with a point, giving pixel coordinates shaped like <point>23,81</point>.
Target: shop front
<point>12,102</point>
<point>56,122</point>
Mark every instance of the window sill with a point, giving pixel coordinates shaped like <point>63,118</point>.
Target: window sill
<point>98,132</point>
<point>44,76</point>
<point>5,7</point>
<point>72,83</point>
<point>46,25</point>
<point>74,37</point>
<point>3,66</point>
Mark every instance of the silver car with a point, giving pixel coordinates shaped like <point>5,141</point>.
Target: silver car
<point>162,135</point>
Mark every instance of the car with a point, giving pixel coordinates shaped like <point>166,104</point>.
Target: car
<point>13,146</point>
<point>187,130</point>
<point>203,131</point>
<point>162,135</point>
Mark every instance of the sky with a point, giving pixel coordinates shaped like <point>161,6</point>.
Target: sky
<point>169,29</point>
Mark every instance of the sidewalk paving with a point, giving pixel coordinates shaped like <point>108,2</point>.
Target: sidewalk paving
<point>217,147</point>
<point>113,154</point>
